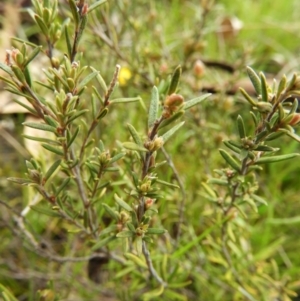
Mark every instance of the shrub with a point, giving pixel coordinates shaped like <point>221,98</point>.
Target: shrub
<point>106,193</point>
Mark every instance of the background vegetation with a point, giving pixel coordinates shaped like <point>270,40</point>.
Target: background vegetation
<point>213,41</point>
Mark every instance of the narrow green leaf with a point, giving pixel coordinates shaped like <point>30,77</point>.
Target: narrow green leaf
<point>41,139</point>
<point>195,101</point>
<point>94,106</point>
<point>264,88</point>
<point>274,136</point>
<point>58,76</point>
<point>27,76</point>
<point>134,146</point>
<point>65,182</point>
<point>50,121</point>
<point>153,294</point>
<point>293,135</point>
<point>134,134</point>
<point>254,79</point>
<point>166,183</point>
<point>68,42</point>
<point>19,74</point>
<point>86,80</point>
<point>281,86</point>
<point>24,41</point>
<point>137,260</point>
<point>46,211</point>
<point>103,242</point>
<point>209,190</point>
<point>241,127</point>
<point>138,245</point>
<point>8,81</point>
<point>157,231</point>
<point>180,284</point>
<point>284,221</point>
<point>217,181</point>
<point>229,159</point>
<point>266,148</point>
<point>76,115</point>
<point>14,91</point>
<point>20,181</point>
<point>251,203</point>
<point>6,69</point>
<point>73,137</point>
<point>171,119</point>
<point>124,271</point>
<point>259,199</point>
<point>40,126</point>
<point>153,109</point>
<point>30,109</point>
<point>7,294</point>
<point>130,226</point>
<point>172,295</point>
<point>54,10</point>
<point>116,157</point>
<point>292,82</point>
<point>100,80</point>
<point>255,120</point>
<point>272,159</point>
<point>95,5</point>
<point>125,234</point>
<point>134,219</point>
<point>102,114</point>
<point>232,147</point>
<point>53,149</point>
<point>175,80</point>
<point>248,97</point>
<point>125,100</point>
<point>111,212</point>
<point>122,203</point>
<point>111,169</point>
<point>40,22</point>
<point>51,170</point>
<point>294,107</point>
<point>97,94</point>
<point>74,11</point>
<point>108,230</point>
<point>32,55</point>
<point>166,136</point>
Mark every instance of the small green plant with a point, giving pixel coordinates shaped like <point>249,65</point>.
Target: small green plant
<point>273,117</point>
<point>111,190</point>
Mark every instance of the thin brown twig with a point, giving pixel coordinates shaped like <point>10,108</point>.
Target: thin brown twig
<point>37,248</point>
<point>151,268</point>
<point>183,195</point>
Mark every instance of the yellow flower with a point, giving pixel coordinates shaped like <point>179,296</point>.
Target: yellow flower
<point>124,76</point>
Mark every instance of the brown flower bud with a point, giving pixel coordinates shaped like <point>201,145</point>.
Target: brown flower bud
<point>198,68</point>
<point>174,100</point>
<point>158,143</point>
<point>149,145</point>
<point>146,186</point>
<point>172,104</point>
<point>148,203</point>
<point>85,9</point>
<point>295,119</point>
<point>124,217</point>
<point>104,157</point>
<point>140,231</point>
